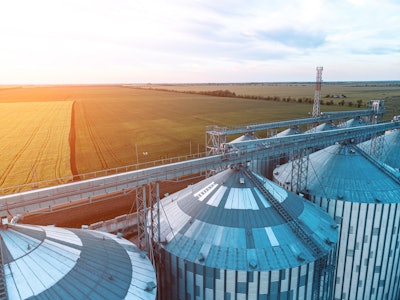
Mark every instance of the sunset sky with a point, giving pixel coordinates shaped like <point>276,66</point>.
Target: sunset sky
<point>180,41</point>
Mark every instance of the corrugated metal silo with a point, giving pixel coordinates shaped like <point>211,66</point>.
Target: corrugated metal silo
<point>46,262</point>
<point>365,201</point>
<point>236,235</point>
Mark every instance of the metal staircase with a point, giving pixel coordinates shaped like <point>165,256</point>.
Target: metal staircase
<point>296,227</point>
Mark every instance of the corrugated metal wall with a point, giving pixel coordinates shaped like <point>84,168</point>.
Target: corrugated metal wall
<point>186,280</point>
<point>368,265</point>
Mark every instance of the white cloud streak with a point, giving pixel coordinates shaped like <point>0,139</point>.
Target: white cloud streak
<point>62,41</point>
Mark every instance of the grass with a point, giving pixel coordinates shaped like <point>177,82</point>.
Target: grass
<point>354,91</point>
<point>161,124</point>
<point>110,122</point>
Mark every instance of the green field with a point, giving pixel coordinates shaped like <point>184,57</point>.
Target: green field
<point>113,123</point>
<point>353,92</point>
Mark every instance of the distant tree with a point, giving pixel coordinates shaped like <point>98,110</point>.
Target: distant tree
<point>350,103</point>
<point>359,103</point>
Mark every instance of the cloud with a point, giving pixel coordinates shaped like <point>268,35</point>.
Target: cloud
<point>294,38</point>
<point>214,39</point>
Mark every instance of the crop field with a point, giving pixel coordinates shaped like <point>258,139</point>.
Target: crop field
<point>352,92</point>
<point>34,142</point>
<point>113,125</point>
<point>50,132</point>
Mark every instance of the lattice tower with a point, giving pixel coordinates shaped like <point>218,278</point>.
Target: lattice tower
<point>317,96</point>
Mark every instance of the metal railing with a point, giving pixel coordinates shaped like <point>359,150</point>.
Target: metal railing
<point>96,174</point>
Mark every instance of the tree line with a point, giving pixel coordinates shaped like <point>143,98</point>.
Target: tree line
<point>230,94</point>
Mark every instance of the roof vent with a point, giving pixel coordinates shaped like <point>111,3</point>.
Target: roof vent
<point>377,200</point>
<point>119,235</point>
<point>301,257</point>
<point>253,263</point>
<point>241,180</point>
<point>334,226</point>
<point>143,254</point>
<point>328,241</point>
<point>201,257</point>
<point>340,197</point>
<point>150,286</point>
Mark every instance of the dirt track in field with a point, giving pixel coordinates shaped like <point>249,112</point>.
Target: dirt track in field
<point>72,146</point>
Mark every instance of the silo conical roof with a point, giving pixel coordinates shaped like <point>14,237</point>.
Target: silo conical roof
<point>245,137</point>
<point>322,127</point>
<point>287,132</point>
<point>341,172</point>
<point>390,154</point>
<point>46,262</point>
<point>351,123</point>
<point>226,222</point>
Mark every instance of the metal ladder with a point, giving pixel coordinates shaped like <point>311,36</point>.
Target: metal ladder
<point>3,287</point>
<point>320,263</point>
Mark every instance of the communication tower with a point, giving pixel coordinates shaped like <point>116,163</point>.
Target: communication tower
<point>317,96</point>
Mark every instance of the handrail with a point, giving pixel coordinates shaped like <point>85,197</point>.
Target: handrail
<point>3,285</point>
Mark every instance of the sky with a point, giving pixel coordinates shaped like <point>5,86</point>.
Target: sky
<point>197,41</point>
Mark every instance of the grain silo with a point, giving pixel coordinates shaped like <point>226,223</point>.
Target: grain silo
<point>288,131</point>
<point>387,149</point>
<point>46,262</point>
<point>351,123</point>
<point>364,200</point>
<point>237,235</point>
<point>266,165</point>
<point>322,127</point>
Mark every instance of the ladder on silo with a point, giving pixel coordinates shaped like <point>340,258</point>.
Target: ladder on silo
<point>321,261</point>
<point>3,287</point>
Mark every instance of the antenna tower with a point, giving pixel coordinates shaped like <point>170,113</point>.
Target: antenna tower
<point>317,96</point>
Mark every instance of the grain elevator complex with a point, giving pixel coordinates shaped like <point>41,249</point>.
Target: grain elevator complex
<point>297,209</point>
